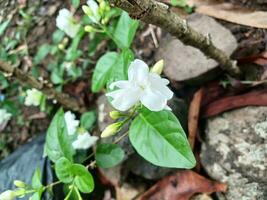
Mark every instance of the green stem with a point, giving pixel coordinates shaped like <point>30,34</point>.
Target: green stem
<point>67,197</point>
<point>52,184</point>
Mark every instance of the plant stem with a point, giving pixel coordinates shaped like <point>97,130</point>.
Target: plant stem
<point>63,98</point>
<point>159,14</point>
<point>52,184</point>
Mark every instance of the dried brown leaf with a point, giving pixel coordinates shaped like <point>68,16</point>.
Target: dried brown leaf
<point>181,186</point>
<point>231,13</point>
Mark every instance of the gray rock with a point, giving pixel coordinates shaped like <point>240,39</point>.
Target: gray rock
<point>183,63</point>
<point>235,152</point>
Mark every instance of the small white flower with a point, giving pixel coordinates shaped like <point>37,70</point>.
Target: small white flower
<point>66,22</point>
<point>144,86</point>
<point>71,122</point>
<point>84,141</point>
<point>33,97</point>
<point>94,8</point>
<point>8,195</point>
<point>4,116</point>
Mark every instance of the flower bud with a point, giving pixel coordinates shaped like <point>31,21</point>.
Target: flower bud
<point>61,46</point>
<point>105,20</point>
<point>19,184</point>
<point>111,130</point>
<point>115,114</point>
<point>158,67</point>
<point>87,10</point>
<point>102,5</point>
<point>89,29</point>
<point>8,195</point>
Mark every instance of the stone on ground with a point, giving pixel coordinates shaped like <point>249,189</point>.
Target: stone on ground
<point>183,63</point>
<point>235,152</point>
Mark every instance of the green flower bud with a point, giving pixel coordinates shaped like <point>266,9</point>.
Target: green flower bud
<point>19,184</point>
<point>87,10</point>
<point>158,67</point>
<point>111,130</point>
<point>8,195</point>
<point>61,46</point>
<point>102,5</point>
<point>89,29</point>
<point>115,114</point>
<point>105,20</point>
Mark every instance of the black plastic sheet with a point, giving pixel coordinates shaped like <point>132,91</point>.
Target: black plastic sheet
<point>22,164</point>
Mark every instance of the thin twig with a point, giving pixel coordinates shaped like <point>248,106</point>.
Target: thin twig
<point>63,98</point>
<point>159,14</point>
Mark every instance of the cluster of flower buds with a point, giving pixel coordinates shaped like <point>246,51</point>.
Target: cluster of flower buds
<point>97,12</point>
<point>20,191</point>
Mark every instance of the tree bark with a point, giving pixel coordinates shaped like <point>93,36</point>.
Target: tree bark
<point>159,14</point>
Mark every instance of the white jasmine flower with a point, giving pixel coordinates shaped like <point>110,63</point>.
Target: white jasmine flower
<point>95,17</point>
<point>66,22</point>
<point>8,195</point>
<point>33,97</point>
<point>71,122</point>
<point>4,116</point>
<point>144,86</point>
<point>84,141</point>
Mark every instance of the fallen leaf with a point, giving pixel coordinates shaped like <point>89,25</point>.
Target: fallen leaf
<point>260,59</point>
<point>231,13</point>
<point>213,91</point>
<point>193,117</point>
<point>181,186</point>
<point>255,98</point>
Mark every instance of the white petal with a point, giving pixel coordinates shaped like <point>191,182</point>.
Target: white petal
<point>119,84</point>
<point>73,29</point>
<point>138,71</point>
<point>153,100</point>
<point>63,18</point>
<point>84,141</point>
<point>71,122</point>
<point>124,99</point>
<point>94,7</point>
<point>158,84</point>
<point>4,116</point>
<point>66,23</point>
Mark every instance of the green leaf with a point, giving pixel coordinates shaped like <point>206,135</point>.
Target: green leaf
<point>102,70</point>
<point>125,30</point>
<point>36,179</point>
<point>83,178</point>
<point>57,140</point>
<point>75,3</point>
<point>120,68</point>
<point>43,51</point>
<point>88,119</point>
<point>108,155</point>
<point>63,170</point>
<point>179,3</point>
<point>57,36</point>
<point>36,196</point>
<point>160,139</point>
<point>73,52</point>
<point>37,185</point>
<point>3,27</point>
